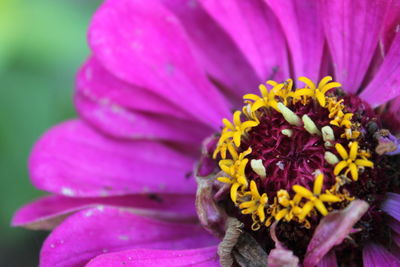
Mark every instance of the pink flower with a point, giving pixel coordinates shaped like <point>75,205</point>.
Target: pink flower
<point>161,76</point>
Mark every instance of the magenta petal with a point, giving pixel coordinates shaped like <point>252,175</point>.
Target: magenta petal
<point>329,260</point>
<point>386,83</point>
<point>47,212</point>
<point>95,82</point>
<point>73,159</point>
<point>124,110</point>
<point>92,232</point>
<point>144,44</point>
<point>377,256</point>
<point>395,225</point>
<point>332,230</point>
<point>392,22</point>
<point>392,205</point>
<point>119,122</point>
<point>203,257</point>
<point>215,49</point>
<point>352,30</point>
<point>256,31</point>
<point>303,28</point>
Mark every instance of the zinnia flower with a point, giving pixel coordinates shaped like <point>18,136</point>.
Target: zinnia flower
<point>303,172</point>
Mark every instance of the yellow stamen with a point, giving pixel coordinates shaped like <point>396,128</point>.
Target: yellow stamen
<point>350,161</point>
<point>233,132</point>
<point>256,206</point>
<point>235,169</point>
<point>290,207</point>
<point>315,198</point>
<point>316,93</point>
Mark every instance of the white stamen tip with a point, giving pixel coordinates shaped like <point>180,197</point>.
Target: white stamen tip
<point>280,165</point>
<point>289,115</point>
<point>258,167</point>
<point>248,109</point>
<point>310,126</point>
<point>327,133</point>
<point>328,144</point>
<point>331,158</point>
<point>317,172</point>
<point>287,132</point>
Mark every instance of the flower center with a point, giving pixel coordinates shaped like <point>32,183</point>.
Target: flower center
<point>293,155</point>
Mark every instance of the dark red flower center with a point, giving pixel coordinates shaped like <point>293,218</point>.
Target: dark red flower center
<point>293,155</point>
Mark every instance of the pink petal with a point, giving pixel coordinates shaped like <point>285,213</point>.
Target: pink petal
<point>144,44</point>
<point>215,50</point>
<point>377,256</point>
<point>256,31</point>
<point>332,230</point>
<point>112,119</point>
<point>329,260</point>
<point>302,25</point>
<point>47,212</point>
<point>392,23</point>
<point>73,159</point>
<point>203,257</point>
<point>392,205</point>
<point>352,29</point>
<point>95,82</point>
<point>124,110</point>
<point>92,232</point>
<point>386,83</point>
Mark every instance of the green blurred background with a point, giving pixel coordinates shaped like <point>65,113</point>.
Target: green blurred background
<point>42,43</point>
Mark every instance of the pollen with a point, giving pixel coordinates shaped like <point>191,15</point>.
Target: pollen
<point>284,153</point>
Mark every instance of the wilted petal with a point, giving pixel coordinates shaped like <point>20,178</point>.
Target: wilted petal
<point>73,159</point>
<point>352,29</point>
<point>93,232</point>
<point>47,212</point>
<point>279,257</point>
<point>332,229</point>
<point>377,256</point>
<point>302,25</point>
<point>144,44</point>
<point>386,83</point>
<point>256,31</point>
<point>392,205</point>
